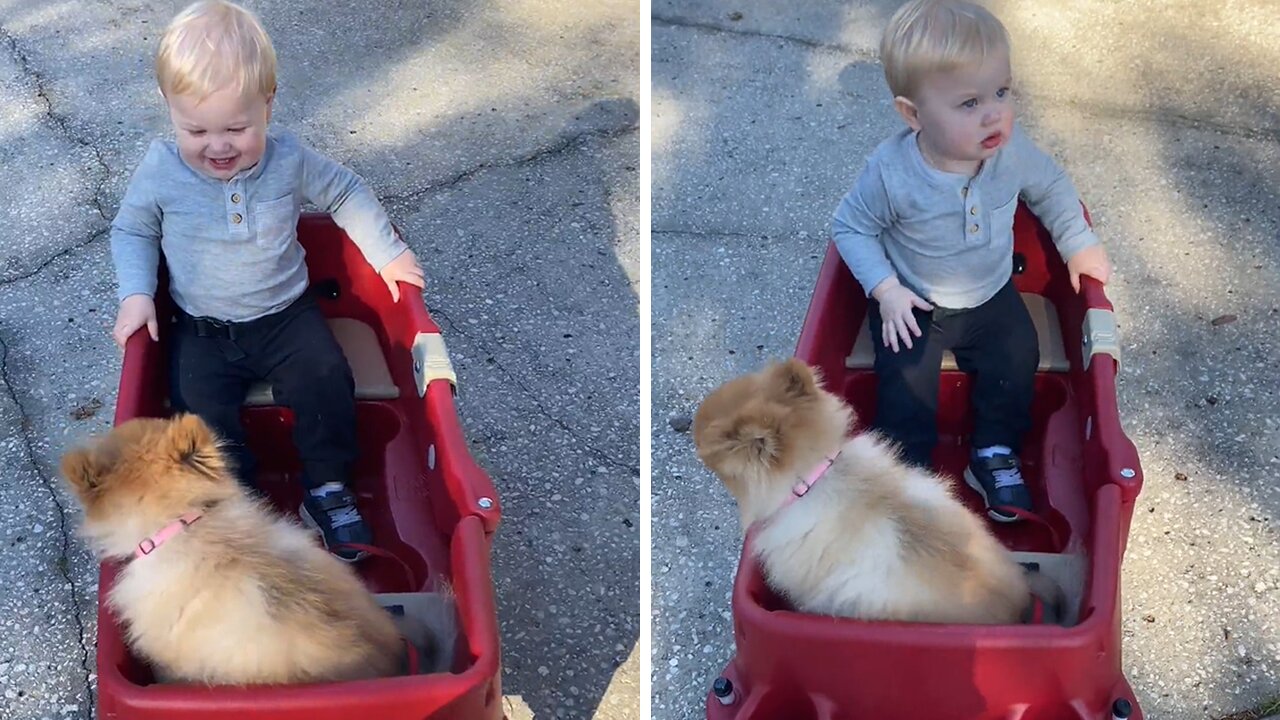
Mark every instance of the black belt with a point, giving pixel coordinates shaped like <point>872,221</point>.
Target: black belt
<point>209,327</point>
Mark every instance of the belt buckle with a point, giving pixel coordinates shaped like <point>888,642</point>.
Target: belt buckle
<point>213,327</point>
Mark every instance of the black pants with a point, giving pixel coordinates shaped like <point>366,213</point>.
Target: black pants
<point>995,341</point>
<point>213,364</point>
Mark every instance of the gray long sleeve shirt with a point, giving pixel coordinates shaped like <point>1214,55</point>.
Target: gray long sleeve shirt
<point>232,246</point>
<point>949,237</point>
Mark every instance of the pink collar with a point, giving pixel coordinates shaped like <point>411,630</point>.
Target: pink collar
<point>167,533</point>
<point>802,487</point>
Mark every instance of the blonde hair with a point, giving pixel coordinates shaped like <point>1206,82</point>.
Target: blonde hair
<point>214,45</point>
<point>928,36</point>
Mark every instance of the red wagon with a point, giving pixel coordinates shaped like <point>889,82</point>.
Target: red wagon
<point>1084,476</point>
<point>428,503</point>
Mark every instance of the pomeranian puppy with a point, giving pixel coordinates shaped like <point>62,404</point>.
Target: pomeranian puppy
<point>215,588</point>
<point>842,526</point>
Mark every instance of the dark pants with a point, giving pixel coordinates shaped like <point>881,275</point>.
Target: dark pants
<point>995,341</point>
<point>212,365</point>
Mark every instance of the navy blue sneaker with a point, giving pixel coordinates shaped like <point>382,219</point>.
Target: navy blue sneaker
<point>331,509</point>
<point>998,479</point>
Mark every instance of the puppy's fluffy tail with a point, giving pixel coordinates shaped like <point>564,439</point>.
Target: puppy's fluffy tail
<point>434,632</point>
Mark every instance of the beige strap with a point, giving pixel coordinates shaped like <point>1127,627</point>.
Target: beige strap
<point>359,343</point>
<point>431,362</point>
<point>1101,336</point>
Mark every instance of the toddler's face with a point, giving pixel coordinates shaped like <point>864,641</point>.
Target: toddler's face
<point>966,115</point>
<point>222,134</point>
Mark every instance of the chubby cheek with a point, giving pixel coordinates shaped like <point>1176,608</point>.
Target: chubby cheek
<point>975,127</point>
<point>951,130</point>
<point>962,132</point>
<point>191,149</point>
<point>250,146</point>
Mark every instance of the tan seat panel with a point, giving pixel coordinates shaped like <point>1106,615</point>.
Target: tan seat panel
<point>364,354</point>
<point>1053,355</point>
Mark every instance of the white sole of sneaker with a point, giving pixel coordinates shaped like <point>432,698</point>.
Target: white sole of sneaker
<point>311,523</point>
<point>972,481</point>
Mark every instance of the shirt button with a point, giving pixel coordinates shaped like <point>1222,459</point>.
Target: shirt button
<point>235,197</point>
<point>973,228</point>
<point>973,210</point>
<point>237,218</point>
<point>964,191</point>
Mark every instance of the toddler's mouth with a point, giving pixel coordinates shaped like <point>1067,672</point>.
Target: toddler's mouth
<point>222,163</point>
<point>993,140</point>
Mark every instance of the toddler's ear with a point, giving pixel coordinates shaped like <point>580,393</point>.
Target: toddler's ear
<point>908,110</point>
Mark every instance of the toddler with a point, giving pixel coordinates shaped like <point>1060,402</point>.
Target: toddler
<point>222,202</point>
<point>927,230</point>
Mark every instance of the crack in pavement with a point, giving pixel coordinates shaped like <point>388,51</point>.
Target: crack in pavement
<point>674,21</point>
<point>61,122</point>
<point>565,143</point>
<point>54,258</point>
<point>64,560</point>
<point>436,312</point>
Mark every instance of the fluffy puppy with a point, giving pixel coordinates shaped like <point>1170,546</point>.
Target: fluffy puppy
<point>874,538</point>
<point>241,596</point>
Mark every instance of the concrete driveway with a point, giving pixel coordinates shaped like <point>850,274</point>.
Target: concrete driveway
<point>1166,116</point>
<point>503,140</point>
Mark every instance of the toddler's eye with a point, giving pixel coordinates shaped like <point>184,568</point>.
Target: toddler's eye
<point>196,133</point>
<point>237,131</point>
<point>1002,92</point>
<point>970,103</point>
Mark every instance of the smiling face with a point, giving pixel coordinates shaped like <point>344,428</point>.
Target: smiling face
<point>223,133</point>
<point>964,116</point>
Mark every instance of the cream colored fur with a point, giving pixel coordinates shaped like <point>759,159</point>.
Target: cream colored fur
<point>875,538</point>
<point>243,596</point>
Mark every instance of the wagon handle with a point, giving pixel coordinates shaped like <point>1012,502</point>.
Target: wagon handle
<point>1099,335</point>
<point>431,362</point>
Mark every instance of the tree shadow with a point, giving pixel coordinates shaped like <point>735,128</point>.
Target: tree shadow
<point>1192,228</point>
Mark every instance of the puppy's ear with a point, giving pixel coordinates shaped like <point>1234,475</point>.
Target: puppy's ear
<point>192,443</point>
<point>795,379</point>
<point>82,470</point>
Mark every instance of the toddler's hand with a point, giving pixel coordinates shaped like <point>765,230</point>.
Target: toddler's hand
<point>898,321</point>
<point>1089,261</point>
<point>135,311</point>
<point>404,268</point>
